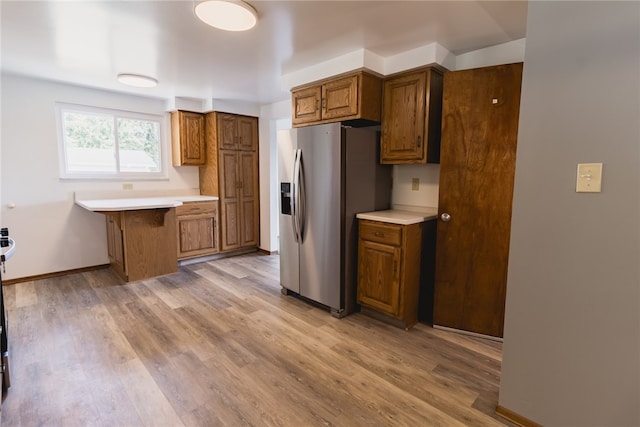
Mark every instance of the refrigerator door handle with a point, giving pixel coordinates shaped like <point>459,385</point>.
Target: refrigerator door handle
<point>295,196</point>
<point>301,214</point>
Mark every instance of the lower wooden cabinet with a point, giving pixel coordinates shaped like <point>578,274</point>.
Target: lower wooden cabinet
<point>389,258</point>
<point>141,243</point>
<point>115,242</point>
<point>197,229</point>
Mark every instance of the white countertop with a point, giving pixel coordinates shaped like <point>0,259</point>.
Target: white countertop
<point>400,216</point>
<point>137,203</point>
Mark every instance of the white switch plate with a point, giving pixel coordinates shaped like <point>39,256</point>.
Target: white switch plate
<point>589,178</point>
<point>415,184</point>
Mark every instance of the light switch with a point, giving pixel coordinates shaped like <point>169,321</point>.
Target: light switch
<point>415,184</point>
<point>589,179</point>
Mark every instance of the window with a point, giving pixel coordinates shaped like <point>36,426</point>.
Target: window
<point>98,143</point>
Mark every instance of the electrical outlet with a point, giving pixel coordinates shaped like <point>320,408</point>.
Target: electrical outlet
<point>127,186</point>
<point>415,184</point>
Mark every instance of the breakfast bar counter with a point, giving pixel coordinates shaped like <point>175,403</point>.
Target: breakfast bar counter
<point>141,231</point>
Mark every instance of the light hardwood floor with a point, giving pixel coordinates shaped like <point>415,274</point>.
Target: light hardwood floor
<point>218,344</point>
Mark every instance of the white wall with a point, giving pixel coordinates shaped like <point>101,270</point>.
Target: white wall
<point>505,53</point>
<point>428,185</point>
<point>52,233</point>
<point>572,327</point>
<point>271,118</point>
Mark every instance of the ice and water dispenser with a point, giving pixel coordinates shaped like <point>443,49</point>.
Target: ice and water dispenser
<point>285,198</point>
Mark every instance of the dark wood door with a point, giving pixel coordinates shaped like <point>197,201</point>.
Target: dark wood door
<point>477,165</point>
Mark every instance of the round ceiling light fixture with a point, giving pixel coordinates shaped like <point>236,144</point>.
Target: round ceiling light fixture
<point>229,15</point>
<point>137,80</point>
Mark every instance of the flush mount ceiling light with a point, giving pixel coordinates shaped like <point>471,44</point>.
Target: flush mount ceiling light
<point>137,80</point>
<point>230,15</point>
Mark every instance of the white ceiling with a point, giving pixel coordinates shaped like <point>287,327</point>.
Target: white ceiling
<point>90,42</point>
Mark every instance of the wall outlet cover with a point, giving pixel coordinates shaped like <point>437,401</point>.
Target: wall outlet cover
<point>415,184</point>
<point>589,178</point>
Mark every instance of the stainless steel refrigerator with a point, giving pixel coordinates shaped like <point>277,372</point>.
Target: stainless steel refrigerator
<point>327,174</point>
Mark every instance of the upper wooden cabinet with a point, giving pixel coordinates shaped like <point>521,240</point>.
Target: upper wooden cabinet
<point>350,97</point>
<point>237,132</point>
<point>411,117</point>
<point>187,138</point>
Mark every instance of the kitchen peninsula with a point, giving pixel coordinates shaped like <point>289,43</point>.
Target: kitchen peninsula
<point>142,233</point>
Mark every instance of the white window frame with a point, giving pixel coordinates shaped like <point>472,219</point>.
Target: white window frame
<point>115,114</point>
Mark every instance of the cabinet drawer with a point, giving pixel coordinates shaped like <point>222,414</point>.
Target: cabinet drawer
<point>380,232</point>
<point>192,208</point>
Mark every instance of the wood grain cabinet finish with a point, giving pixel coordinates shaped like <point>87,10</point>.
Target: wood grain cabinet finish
<point>188,138</point>
<point>349,97</point>
<point>239,206</point>
<point>411,117</point>
<point>232,175</point>
<point>115,243</point>
<point>197,228</point>
<point>389,258</point>
<point>141,243</point>
<point>237,132</point>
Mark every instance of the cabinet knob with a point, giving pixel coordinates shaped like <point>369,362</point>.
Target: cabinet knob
<point>378,234</point>
<point>445,217</point>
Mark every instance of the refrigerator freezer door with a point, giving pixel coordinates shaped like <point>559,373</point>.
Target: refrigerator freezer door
<point>288,247</point>
<point>320,260</point>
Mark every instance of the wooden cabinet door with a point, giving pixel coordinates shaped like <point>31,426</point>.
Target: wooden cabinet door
<point>247,128</point>
<point>110,238</point>
<point>197,228</point>
<point>239,201</point>
<point>249,208</point>
<point>226,132</point>
<point>479,133</point>
<point>306,105</point>
<point>379,276</point>
<point>196,235</point>
<point>229,200</point>
<point>115,243</point>
<point>192,130</point>
<point>403,118</point>
<point>340,98</point>
<point>187,138</point>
